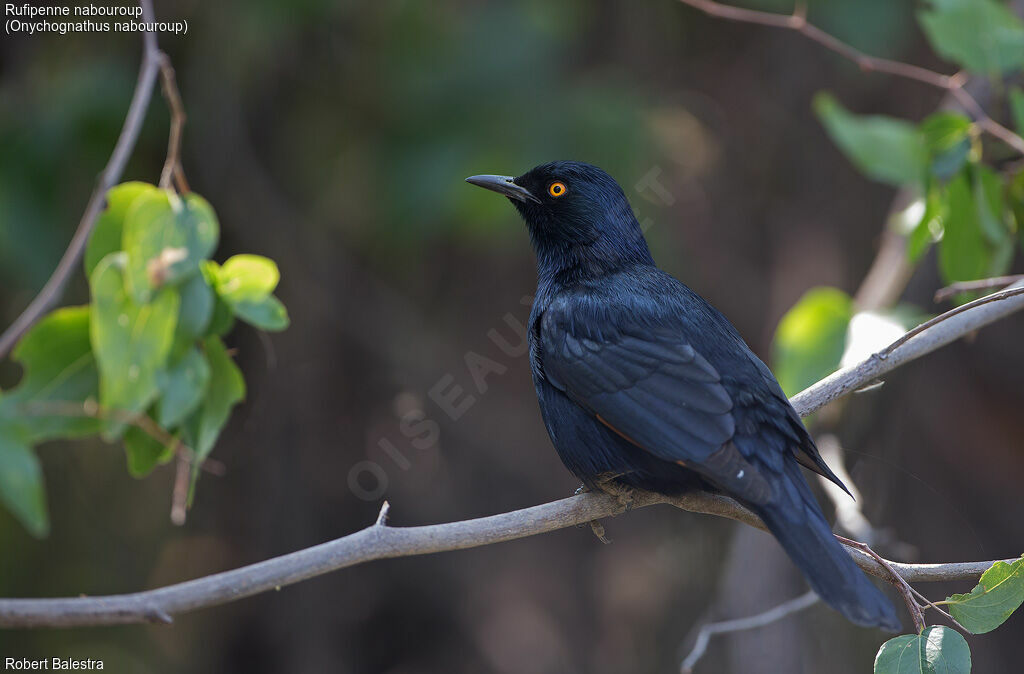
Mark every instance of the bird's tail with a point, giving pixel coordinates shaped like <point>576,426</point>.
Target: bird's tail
<point>799,525</point>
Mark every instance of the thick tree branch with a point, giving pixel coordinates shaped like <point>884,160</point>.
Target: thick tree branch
<point>797,22</point>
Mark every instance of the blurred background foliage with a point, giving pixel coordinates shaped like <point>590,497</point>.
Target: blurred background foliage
<point>333,138</point>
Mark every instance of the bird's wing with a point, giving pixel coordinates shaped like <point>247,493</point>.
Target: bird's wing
<point>654,388</point>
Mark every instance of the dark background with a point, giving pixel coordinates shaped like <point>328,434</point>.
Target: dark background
<point>334,137</point>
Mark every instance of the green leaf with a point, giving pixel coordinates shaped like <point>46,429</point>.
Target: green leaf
<point>182,387</point>
<point>166,239</point>
<point>244,283</point>
<point>108,233</point>
<point>226,389</point>
<point>197,302</point>
<point>21,483</point>
<point>983,36</point>
<point>131,341</point>
<point>1016,97</point>
<point>963,251</point>
<point>811,337</point>
<point>1015,199</point>
<point>883,148</point>
<point>143,452</point>
<point>222,319</point>
<point>998,594</point>
<point>947,137</point>
<point>929,228</point>
<point>988,200</point>
<point>247,277</point>
<point>59,367</point>
<point>937,650</point>
<point>265,314</point>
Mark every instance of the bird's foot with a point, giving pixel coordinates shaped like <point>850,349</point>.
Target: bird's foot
<point>582,489</point>
<point>598,530</point>
<point>624,494</point>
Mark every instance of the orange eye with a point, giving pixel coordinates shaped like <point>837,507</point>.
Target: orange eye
<point>557,189</point>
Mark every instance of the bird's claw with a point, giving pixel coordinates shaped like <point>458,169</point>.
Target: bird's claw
<point>625,495</point>
<point>598,530</point>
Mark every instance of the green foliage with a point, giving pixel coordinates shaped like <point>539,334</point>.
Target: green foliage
<point>144,452</point>
<point>811,337</point>
<point>937,650</point>
<point>59,366</point>
<point>1016,97</point>
<point>883,148</point>
<point>970,209</point>
<point>998,594</point>
<point>982,36</point>
<point>166,238</point>
<point>21,483</point>
<point>131,340</point>
<point>226,388</point>
<point>144,362</point>
<point>245,284</point>
<point>947,138</point>
<point>109,230</point>
<point>184,385</point>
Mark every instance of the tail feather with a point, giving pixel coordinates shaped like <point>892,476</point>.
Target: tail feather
<point>799,525</point>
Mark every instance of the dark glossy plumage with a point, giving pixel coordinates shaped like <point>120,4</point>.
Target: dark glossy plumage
<point>637,375</point>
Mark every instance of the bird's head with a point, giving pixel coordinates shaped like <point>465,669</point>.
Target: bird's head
<point>579,219</point>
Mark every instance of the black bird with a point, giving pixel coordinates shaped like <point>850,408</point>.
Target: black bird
<point>641,381</point>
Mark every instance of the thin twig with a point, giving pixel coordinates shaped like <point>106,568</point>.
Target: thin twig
<point>994,297</point>
<point>895,579</point>
<point>797,22</point>
<point>930,604</point>
<point>179,494</point>
<point>750,622</point>
<point>111,174</point>
<point>982,284</point>
<point>172,165</point>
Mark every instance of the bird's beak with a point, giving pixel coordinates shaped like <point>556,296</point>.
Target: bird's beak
<point>503,185</point>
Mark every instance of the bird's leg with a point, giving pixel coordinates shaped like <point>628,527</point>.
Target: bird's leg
<point>604,482</point>
<point>598,530</point>
<point>625,495</point>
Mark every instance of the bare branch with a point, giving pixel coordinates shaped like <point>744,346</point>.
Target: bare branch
<point>111,174</point>
<point>739,624</point>
<point>172,165</point>
<point>934,334</point>
<point>897,581</point>
<point>983,284</point>
<point>1015,291</point>
<point>377,542</point>
<point>797,21</point>
<point>179,494</point>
